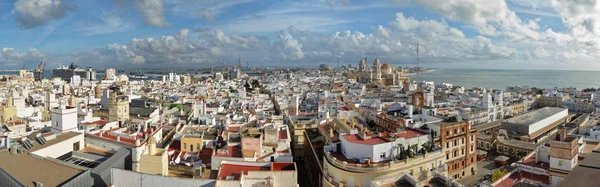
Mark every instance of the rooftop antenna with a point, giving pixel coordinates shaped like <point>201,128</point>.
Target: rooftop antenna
<point>417,60</point>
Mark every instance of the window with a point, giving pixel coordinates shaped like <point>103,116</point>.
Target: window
<point>184,146</point>
<point>462,151</point>
<point>192,148</point>
<point>57,123</point>
<point>455,131</point>
<point>447,133</point>
<point>471,148</point>
<point>463,163</point>
<point>559,162</point>
<point>463,129</point>
<point>472,137</point>
<point>455,142</point>
<point>447,144</point>
<point>447,156</point>
<point>382,155</point>
<point>198,146</point>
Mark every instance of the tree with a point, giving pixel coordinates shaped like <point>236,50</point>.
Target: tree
<point>511,151</point>
<point>497,174</point>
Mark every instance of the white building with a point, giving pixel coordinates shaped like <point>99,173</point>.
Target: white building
<point>111,73</point>
<point>64,118</point>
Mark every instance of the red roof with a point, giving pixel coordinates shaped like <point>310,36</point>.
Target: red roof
<point>232,151</point>
<point>409,133</point>
<point>98,122</point>
<point>233,128</point>
<point>354,138</point>
<point>519,176</point>
<point>283,166</point>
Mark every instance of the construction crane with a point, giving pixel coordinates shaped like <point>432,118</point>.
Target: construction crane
<point>39,72</point>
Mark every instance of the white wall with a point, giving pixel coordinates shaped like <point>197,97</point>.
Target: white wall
<point>124,178</point>
<point>542,154</point>
<point>364,151</point>
<point>61,148</point>
<point>566,164</point>
<point>547,121</point>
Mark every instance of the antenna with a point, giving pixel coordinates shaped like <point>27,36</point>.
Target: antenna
<point>417,77</point>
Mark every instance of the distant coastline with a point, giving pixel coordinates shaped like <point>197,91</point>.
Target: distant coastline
<point>422,72</point>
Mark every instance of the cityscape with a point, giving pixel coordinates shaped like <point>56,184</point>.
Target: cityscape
<point>315,93</point>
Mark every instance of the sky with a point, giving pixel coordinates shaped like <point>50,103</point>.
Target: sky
<point>490,34</point>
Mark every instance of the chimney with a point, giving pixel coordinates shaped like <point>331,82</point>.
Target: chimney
<point>562,133</point>
<point>101,133</point>
<point>118,138</point>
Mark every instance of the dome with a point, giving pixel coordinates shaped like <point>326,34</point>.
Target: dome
<point>386,67</point>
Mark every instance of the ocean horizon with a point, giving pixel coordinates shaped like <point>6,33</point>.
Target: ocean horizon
<point>501,78</point>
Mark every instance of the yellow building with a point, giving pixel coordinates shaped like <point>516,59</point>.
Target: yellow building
<point>8,112</point>
<point>118,108</point>
<point>551,101</point>
<point>154,160</point>
<point>191,143</point>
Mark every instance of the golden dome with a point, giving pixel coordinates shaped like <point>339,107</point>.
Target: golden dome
<point>386,66</point>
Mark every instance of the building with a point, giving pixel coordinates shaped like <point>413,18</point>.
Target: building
<point>535,125</point>
<point>379,74</point>
<point>250,174</point>
<point>564,151</point>
<point>186,79</point>
<point>65,73</point>
<point>586,173</point>
<point>111,74</point>
<point>8,111</point>
<point>458,140</point>
<point>118,108</point>
<point>360,157</point>
<point>551,100</point>
<point>154,160</point>
<point>64,118</point>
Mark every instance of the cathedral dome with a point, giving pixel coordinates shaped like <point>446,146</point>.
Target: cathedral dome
<point>386,68</point>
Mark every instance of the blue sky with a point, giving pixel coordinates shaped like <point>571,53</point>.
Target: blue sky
<point>506,34</point>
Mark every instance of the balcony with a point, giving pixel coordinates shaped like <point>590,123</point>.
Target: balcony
<point>340,161</point>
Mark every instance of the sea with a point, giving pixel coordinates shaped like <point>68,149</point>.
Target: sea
<point>500,79</point>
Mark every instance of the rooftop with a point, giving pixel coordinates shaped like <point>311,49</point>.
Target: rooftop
<point>409,133</point>
<point>27,169</point>
<point>355,138</point>
<point>535,116</point>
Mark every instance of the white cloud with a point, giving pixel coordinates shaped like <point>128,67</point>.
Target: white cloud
<point>205,14</point>
<point>152,11</point>
<point>33,13</point>
<point>110,22</point>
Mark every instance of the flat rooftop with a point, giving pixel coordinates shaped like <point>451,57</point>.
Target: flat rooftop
<point>535,116</point>
<point>27,169</point>
<point>355,138</point>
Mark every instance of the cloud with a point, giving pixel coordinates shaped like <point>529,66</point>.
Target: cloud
<point>205,14</point>
<point>111,22</point>
<point>33,13</point>
<point>337,3</point>
<point>581,17</point>
<point>152,11</point>
<point>490,17</point>
<point>12,58</point>
<point>258,16</point>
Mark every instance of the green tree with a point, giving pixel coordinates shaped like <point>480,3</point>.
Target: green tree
<point>511,151</point>
<point>497,174</point>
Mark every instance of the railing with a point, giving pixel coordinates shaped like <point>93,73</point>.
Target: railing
<point>358,167</point>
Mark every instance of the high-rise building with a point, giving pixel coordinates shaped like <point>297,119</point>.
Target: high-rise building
<point>111,73</point>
